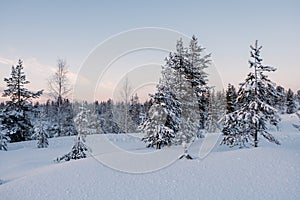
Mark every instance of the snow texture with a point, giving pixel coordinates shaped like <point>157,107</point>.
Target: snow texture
<point>267,172</point>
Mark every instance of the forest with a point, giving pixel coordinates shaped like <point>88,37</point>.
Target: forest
<point>184,106</point>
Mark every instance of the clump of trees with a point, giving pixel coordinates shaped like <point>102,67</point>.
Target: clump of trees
<point>181,98</point>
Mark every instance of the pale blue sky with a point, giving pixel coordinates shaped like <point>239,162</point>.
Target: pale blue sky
<point>41,31</point>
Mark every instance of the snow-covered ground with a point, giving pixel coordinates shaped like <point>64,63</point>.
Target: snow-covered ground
<point>267,172</point>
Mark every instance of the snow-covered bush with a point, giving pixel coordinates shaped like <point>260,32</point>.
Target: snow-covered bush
<point>77,151</point>
<point>297,126</point>
<point>41,135</point>
<point>3,141</point>
<point>79,148</point>
<point>3,135</point>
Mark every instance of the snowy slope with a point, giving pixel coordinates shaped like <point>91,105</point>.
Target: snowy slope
<point>267,172</point>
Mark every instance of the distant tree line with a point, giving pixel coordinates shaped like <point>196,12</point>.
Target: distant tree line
<point>22,120</point>
<point>286,101</point>
<point>183,107</point>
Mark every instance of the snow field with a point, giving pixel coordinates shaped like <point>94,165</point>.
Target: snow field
<point>266,172</point>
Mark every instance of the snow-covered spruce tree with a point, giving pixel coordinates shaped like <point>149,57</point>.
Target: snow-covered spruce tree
<point>234,131</point>
<point>166,94</point>
<point>166,103</point>
<point>41,125</point>
<point>195,74</point>
<point>82,122</point>
<point>15,119</point>
<point>290,102</point>
<point>158,134</point>
<point>250,120</point>
<point>183,86</point>
<point>40,133</point>
<point>182,90</point>
<point>175,83</point>
<point>231,96</point>
<point>79,148</point>
<point>189,118</point>
<point>198,78</point>
<point>191,63</point>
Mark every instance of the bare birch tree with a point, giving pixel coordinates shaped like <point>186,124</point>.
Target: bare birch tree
<point>60,88</point>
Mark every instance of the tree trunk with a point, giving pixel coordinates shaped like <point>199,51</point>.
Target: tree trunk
<point>255,138</point>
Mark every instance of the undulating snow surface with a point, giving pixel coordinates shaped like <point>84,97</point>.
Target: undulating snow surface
<point>266,172</point>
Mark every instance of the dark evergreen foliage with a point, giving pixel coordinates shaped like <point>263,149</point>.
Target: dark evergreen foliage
<point>15,114</point>
<point>280,100</point>
<point>290,102</point>
<point>135,110</point>
<point>298,99</point>
<point>231,97</point>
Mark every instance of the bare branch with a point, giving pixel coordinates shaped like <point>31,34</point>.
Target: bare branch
<point>59,86</point>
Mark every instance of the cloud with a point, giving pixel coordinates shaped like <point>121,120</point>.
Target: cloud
<point>37,73</point>
<point>33,66</point>
<point>6,61</point>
